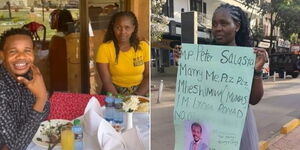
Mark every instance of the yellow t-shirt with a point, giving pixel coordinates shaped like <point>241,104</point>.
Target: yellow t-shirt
<point>128,71</point>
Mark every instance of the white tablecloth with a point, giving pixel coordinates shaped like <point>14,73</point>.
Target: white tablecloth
<point>140,120</point>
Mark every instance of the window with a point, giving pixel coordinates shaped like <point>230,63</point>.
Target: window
<point>204,8</point>
<point>168,8</point>
<point>196,5</point>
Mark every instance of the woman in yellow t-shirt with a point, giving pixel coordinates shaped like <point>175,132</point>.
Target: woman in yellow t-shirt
<point>122,59</point>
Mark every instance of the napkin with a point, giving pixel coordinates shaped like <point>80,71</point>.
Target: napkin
<point>94,104</point>
<point>132,139</point>
<point>108,138</point>
<point>100,135</point>
<point>91,121</point>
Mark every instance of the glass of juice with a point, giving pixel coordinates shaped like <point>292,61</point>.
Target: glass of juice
<point>67,138</point>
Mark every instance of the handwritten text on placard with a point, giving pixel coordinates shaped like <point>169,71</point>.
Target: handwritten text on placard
<point>213,88</point>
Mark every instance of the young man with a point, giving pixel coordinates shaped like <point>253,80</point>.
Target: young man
<point>23,95</point>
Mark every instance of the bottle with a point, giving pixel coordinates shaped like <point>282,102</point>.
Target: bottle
<point>67,138</point>
<point>118,115</point>
<point>78,135</point>
<point>109,110</point>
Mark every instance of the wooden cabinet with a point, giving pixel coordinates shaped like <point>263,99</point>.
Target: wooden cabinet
<point>73,62</point>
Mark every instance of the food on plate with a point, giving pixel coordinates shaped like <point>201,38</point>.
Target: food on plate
<point>143,99</point>
<point>136,104</point>
<point>143,107</point>
<point>52,131</point>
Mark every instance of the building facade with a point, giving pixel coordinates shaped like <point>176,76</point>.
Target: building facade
<point>205,9</point>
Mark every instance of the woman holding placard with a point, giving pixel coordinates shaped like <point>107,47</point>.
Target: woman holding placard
<point>230,26</point>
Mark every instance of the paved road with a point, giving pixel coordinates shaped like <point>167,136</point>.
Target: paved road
<point>280,104</point>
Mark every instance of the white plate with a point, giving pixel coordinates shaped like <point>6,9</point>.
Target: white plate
<point>43,126</point>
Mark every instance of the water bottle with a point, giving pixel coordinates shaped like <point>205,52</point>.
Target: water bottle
<point>109,110</point>
<point>78,135</point>
<point>118,115</point>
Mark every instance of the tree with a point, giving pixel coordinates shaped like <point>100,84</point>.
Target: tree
<point>257,34</point>
<point>250,3</point>
<point>257,31</point>
<point>289,19</point>
<point>294,38</point>
<point>273,9</point>
<point>158,21</point>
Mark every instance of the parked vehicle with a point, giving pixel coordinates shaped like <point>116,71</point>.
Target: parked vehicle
<point>285,62</point>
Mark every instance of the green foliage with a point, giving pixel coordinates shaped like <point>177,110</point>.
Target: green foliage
<point>16,19</point>
<point>158,21</point>
<point>294,38</point>
<point>257,33</point>
<point>282,13</point>
<point>250,3</point>
<point>24,16</point>
<point>289,18</point>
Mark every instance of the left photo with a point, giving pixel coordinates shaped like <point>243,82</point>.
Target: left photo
<point>74,75</point>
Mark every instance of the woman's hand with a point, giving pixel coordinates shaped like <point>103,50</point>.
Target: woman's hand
<point>261,58</point>
<point>144,86</point>
<point>105,76</point>
<point>177,53</point>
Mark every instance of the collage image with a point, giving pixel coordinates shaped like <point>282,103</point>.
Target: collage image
<point>149,74</point>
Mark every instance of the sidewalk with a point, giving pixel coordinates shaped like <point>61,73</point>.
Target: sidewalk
<point>163,114</point>
<point>286,142</point>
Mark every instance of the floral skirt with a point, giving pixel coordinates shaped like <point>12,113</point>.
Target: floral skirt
<point>126,90</point>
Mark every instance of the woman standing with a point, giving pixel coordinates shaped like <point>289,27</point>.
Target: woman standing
<point>230,27</point>
<point>123,60</point>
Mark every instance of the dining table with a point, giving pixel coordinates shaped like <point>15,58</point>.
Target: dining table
<point>69,106</point>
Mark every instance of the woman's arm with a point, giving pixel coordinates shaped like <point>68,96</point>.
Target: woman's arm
<point>144,86</point>
<point>257,90</point>
<point>106,78</point>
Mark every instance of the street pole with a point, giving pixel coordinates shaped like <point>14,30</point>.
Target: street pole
<point>161,86</point>
<point>189,27</point>
<point>43,10</point>
<point>9,9</point>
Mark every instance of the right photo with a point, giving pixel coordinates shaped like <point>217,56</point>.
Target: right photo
<point>225,74</point>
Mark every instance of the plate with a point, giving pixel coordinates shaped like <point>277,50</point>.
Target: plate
<point>143,99</point>
<point>144,104</point>
<point>41,132</point>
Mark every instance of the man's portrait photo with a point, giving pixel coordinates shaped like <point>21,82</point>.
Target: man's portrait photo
<point>198,140</point>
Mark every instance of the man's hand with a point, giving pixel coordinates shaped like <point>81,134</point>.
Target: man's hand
<point>37,87</point>
<point>261,57</point>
